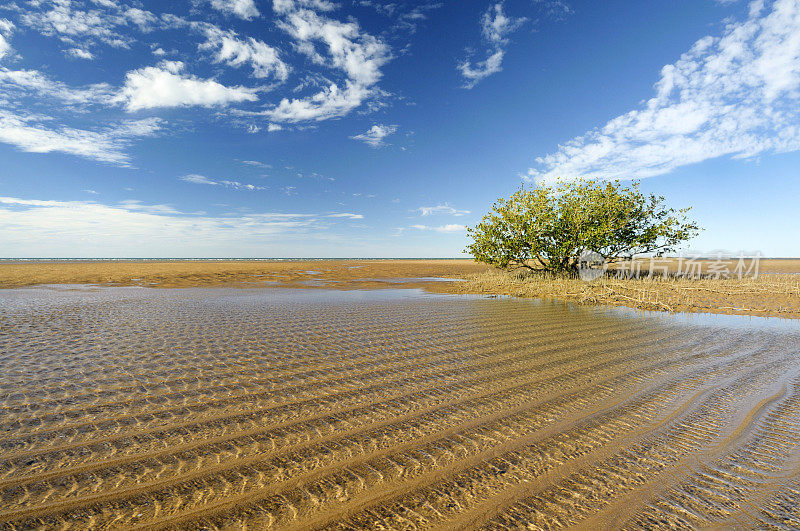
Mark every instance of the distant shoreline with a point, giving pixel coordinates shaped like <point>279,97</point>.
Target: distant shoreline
<point>233,259</point>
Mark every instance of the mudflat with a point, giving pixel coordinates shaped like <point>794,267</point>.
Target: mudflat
<point>773,292</point>
<point>345,273</point>
<point>127,407</point>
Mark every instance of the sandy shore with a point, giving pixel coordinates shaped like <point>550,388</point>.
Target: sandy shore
<point>343,274</point>
<point>775,293</point>
<point>331,409</point>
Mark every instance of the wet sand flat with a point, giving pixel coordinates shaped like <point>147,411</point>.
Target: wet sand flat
<point>191,273</point>
<point>396,409</point>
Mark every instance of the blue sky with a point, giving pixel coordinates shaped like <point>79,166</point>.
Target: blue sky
<point>360,128</point>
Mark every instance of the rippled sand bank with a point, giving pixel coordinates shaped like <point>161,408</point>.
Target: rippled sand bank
<point>131,407</point>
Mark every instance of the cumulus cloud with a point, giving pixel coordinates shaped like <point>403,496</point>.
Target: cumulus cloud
<point>235,185</point>
<point>341,46</point>
<point>165,86</point>
<point>32,134</point>
<point>245,9</point>
<point>735,95</point>
<point>375,136</point>
<point>31,227</point>
<point>441,209</point>
<point>495,27</point>
<point>229,49</point>
<point>443,228</point>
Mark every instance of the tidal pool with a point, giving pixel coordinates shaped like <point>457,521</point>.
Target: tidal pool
<point>291,408</point>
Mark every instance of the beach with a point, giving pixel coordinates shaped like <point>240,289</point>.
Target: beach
<point>310,408</point>
<point>774,292</point>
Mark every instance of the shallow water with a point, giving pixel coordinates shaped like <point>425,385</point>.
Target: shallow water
<point>128,407</point>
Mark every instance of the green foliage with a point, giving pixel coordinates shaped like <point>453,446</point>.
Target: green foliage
<point>550,227</point>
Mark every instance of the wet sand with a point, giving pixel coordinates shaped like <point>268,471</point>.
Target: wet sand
<point>776,292</point>
<point>306,409</point>
<point>345,274</point>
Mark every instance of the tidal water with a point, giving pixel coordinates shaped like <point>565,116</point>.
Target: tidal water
<point>396,409</point>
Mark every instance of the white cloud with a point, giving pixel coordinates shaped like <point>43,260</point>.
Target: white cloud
<point>443,228</point>
<point>235,185</point>
<point>131,228</point>
<point>441,209</point>
<point>257,164</point>
<point>375,135</point>
<point>164,86</point>
<point>63,20</point>
<point>558,9</point>
<point>495,26</point>
<point>330,102</point>
<point>145,20</point>
<point>346,215</point>
<point>736,95</point>
<point>264,59</point>
<point>6,28</point>
<point>245,9</point>
<point>80,53</point>
<point>197,179</point>
<point>34,82</point>
<point>30,134</point>
<point>407,17</point>
<point>345,48</point>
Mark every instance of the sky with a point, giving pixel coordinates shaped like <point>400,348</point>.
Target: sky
<point>358,128</point>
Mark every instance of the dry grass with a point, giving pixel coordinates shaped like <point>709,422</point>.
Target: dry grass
<point>767,295</point>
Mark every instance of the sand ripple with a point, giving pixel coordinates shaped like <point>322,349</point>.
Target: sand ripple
<point>219,408</point>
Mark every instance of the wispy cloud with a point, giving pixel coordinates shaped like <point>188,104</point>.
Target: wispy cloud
<point>88,228</point>
<point>80,53</point>
<point>40,112</point>
<point>346,215</point>
<point>235,185</point>
<point>375,136</point>
<point>442,228</point>
<point>736,95</point>
<point>29,133</point>
<point>441,209</point>
<point>556,9</point>
<point>6,28</point>
<point>407,15</point>
<point>76,22</point>
<point>495,27</point>
<point>26,83</point>
<point>257,164</point>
